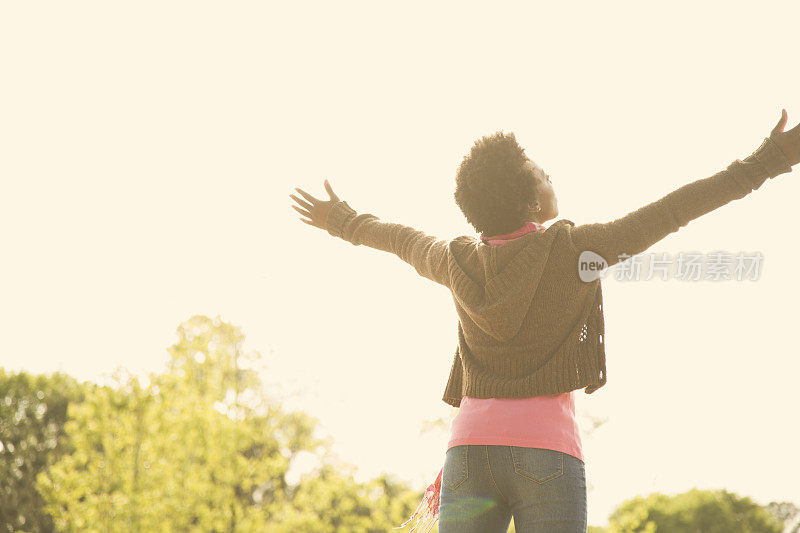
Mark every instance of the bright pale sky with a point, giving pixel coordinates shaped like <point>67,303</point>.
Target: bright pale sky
<point>147,151</point>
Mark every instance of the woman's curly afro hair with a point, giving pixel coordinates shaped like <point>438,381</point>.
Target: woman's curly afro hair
<point>493,187</point>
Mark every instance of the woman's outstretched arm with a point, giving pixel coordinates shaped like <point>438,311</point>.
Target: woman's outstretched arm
<point>426,253</point>
<point>637,231</point>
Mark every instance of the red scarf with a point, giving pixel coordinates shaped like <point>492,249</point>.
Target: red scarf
<point>428,508</point>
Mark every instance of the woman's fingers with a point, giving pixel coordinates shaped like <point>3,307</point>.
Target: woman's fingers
<point>309,223</point>
<point>306,195</point>
<point>330,191</point>
<point>302,212</point>
<point>316,207</point>
<point>778,129</point>
<point>301,202</point>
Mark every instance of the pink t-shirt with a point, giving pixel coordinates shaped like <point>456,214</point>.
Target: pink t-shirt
<point>536,422</point>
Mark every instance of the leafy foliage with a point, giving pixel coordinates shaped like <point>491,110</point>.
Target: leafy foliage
<point>689,512</point>
<point>33,410</point>
<point>196,448</point>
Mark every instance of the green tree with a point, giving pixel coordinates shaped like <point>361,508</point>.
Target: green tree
<point>102,484</point>
<point>33,410</point>
<point>695,511</point>
<point>200,448</point>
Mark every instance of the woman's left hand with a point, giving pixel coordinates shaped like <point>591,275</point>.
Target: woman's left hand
<point>316,211</point>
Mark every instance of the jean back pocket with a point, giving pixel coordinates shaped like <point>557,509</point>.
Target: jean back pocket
<point>537,464</point>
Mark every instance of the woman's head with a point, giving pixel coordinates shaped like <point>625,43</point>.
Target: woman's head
<point>499,189</point>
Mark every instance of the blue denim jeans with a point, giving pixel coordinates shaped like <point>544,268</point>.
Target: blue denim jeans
<point>483,486</point>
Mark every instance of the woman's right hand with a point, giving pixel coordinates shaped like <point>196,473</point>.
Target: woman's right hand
<point>787,141</point>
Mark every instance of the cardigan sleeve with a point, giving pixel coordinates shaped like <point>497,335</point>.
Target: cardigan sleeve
<point>637,231</point>
<point>426,253</point>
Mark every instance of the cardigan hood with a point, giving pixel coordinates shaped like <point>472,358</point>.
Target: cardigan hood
<point>496,285</point>
<point>528,325</point>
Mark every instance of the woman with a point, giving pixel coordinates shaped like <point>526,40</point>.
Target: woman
<point>530,328</point>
